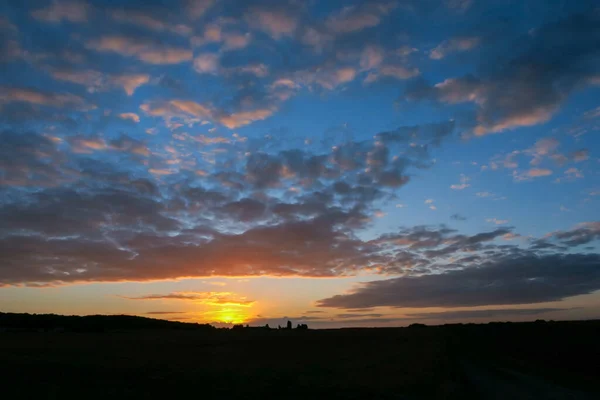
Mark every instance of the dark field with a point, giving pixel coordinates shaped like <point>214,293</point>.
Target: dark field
<point>554,360</point>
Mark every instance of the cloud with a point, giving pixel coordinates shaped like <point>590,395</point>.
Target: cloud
<point>459,5</point>
<point>258,70</point>
<point>593,113</point>
<point>394,71</point>
<point>582,233</point>
<point>434,132</point>
<point>277,22</point>
<point>176,108</point>
<point>153,21</point>
<point>30,159</point>
<point>545,79</point>
<point>164,312</point>
<point>197,8</point>
<point>144,49</point>
<point>497,221</point>
<point>208,298</point>
<point>87,145</point>
<point>10,48</point>
<point>464,183</point>
<point>488,314</point>
<point>187,109</point>
<point>458,217</point>
<point>59,10</point>
<point>235,41</point>
<point>537,172</point>
<point>98,81</point>
<point>531,174</point>
<point>517,279</point>
<point>580,155</point>
<point>346,316</point>
<point>454,45</point>
<point>371,57</point>
<point>127,144</point>
<point>356,18</point>
<point>130,82</point>
<point>243,118</point>
<point>109,224</point>
<point>332,78</point>
<point>574,173</point>
<point>206,63</point>
<point>34,96</point>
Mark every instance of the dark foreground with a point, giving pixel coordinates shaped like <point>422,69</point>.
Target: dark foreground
<point>552,360</point>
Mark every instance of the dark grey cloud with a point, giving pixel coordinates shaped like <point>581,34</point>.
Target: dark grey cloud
<point>488,314</point>
<point>582,234</point>
<point>539,71</point>
<point>521,279</point>
<point>28,158</point>
<point>435,132</point>
<point>346,316</point>
<point>458,217</point>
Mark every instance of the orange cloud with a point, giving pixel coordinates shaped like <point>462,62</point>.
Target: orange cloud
<point>130,82</point>
<point>130,117</point>
<point>33,96</point>
<point>534,117</point>
<point>208,298</point>
<point>186,108</point>
<point>236,120</point>
<point>83,145</point>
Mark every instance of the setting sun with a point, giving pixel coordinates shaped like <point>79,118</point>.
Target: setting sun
<point>231,316</point>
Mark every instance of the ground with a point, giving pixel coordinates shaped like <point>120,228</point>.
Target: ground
<point>535,360</point>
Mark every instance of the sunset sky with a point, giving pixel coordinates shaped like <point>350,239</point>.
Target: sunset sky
<point>339,163</point>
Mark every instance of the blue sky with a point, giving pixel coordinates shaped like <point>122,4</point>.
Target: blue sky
<point>345,163</point>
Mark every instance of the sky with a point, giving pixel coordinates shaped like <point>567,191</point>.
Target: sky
<point>336,163</point>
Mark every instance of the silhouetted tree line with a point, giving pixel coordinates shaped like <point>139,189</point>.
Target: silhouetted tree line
<point>91,323</point>
<point>267,327</point>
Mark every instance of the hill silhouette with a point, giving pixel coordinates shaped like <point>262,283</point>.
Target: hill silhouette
<point>90,323</point>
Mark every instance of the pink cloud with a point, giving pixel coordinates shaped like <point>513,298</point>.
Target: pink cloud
<point>149,52</point>
<point>537,172</point>
<point>454,45</point>
<point>274,22</point>
<point>57,11</point>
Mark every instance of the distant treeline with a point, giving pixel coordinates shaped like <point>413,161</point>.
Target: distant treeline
<point>91,323</point>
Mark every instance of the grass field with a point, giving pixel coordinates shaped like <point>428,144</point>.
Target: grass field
<point>448,362</point>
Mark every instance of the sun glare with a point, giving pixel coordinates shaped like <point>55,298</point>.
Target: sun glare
<point>231,316</point>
